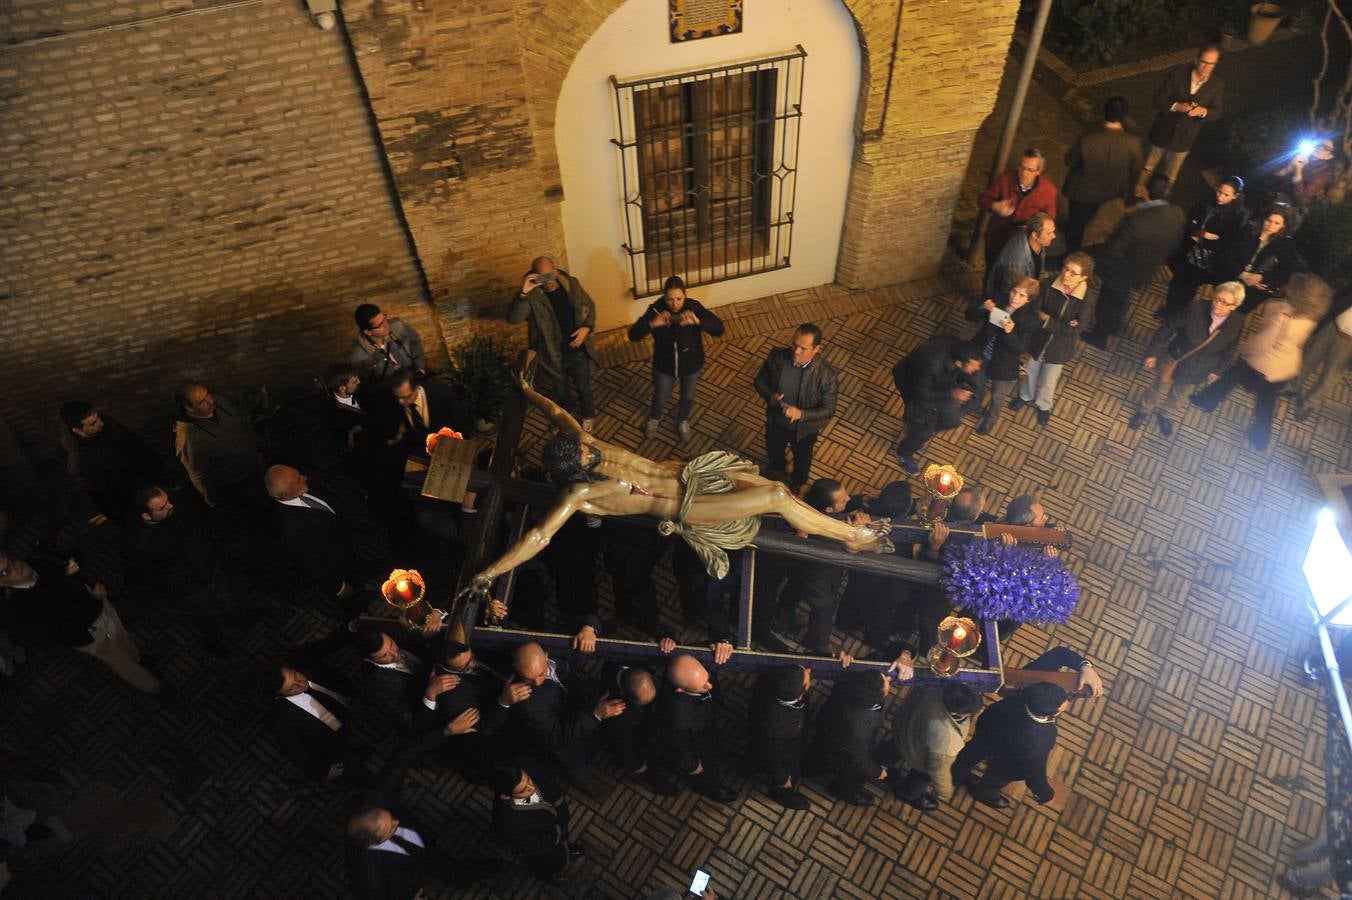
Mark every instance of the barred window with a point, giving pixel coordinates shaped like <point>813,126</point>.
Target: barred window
<point>709,161</point>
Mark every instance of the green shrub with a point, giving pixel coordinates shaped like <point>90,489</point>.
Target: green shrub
<point>1324,238</point>
<point>481,374</point>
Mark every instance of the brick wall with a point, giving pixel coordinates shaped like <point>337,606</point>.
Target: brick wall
<point>465,96</point>
<point>198,196</point>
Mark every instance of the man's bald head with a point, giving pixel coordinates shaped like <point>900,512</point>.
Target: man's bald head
<point>531,663</point>
<point>638,686</point>
<point>284,482</point>
<point>687,674</point>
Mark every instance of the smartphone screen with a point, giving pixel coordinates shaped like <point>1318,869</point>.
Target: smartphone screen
<point>699,882</point>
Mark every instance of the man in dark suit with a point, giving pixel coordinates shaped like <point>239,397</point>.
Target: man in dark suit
<point>689,727</point>
<point>1014,737</point>
<point>105,458</point>
<point>311,707</point>
<point>1140,244</point>
<point>390,855</point>
<point>1103,164</point>
<point>1187,97</point>
<point>777,717</point>
<point>315,538</point>
<point>847,730</point>
<point>393,678</point>
<point>632,735</point>
<point>544,717</point>
<point>934,380</point>
<point>422,408</point>
<point>460,683</point>
<point>530,816</point>
<point>1189,348</point>
<point>815,583</point>
<point>799,389</point>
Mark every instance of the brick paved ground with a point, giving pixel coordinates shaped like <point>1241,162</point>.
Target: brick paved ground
<point>1194,777</point>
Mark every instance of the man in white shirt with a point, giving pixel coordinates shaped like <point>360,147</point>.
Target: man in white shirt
<point>315,538</point>
<point>310,709</point>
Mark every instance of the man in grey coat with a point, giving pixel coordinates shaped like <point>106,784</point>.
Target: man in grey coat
<point>216,445</point>
<point>1140,244</point>
<point>1103,164</point>
<point>928,732</point>
<point>561,317</point>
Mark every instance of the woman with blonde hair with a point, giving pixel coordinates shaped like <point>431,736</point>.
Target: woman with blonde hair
<point>1270,358</point>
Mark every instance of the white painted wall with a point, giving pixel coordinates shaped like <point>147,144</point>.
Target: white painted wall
<point>633,43</point>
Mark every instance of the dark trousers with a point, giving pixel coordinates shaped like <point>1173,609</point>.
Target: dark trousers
<point>1080,214</point>
<point>630,559</point>
<point>1112,308</point>
<point>663,385</point>
<point>819,585</point>
<point>1265,398</point>
<point>576,375</point>
<point>1183,288</point>
<point>779,439</point>
<point>702,596</point>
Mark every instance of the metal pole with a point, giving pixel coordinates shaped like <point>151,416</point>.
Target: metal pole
<point>1044,9</point>
<point>1335,678</point>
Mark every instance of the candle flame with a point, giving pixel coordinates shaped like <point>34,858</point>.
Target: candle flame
<point>401,586</point>
<point>959,633</point>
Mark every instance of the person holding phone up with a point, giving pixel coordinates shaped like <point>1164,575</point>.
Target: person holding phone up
<point>1003,339</point>
<point>560,316</point>
<point>678,324</point>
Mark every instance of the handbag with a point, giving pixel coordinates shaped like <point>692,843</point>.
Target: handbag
<point>1168,366</point>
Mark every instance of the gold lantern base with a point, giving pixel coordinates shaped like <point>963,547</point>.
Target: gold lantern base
<point>943,662</point>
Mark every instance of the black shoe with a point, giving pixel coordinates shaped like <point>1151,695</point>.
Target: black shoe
<point>1303,413</point>
<point>924,803</point>
<point>1095,340</point>
<point>1297,890</point>
<point>1017,403</point>
<point>1043,417</point>
<point>1258,441</point>
<point>1201,404</point>
<point>1166,427</point>
<point>719,794</point>
<point>859,798</point>
<point>984,427</point>
<point>908,464</point>
<point>1137,420</point>
<point>788,798</point>
<point>658,784</point>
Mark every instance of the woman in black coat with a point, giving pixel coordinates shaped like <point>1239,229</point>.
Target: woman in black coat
<point>1062,315</point>
<point>1262,257</point>
<point>1211,227</point>
<point>678,324</point>
<point>1003,345</point>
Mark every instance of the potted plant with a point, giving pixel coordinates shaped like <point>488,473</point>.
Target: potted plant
<point>1263,20</point>
<point>481,375</point>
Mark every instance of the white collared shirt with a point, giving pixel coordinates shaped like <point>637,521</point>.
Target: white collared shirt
<point>347,401</point>
<point>407,834</point>
<point>528,801</point>
<point>317,709</point>
<point>420,402</point>
<point>400,665</point>
<point>297,501</point>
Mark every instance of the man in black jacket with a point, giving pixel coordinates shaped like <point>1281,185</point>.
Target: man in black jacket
<point>1186,98</point>
<point>632,735</point>
<point>461,684</point>
<point>390,855</point>
<point>1189,348</point>
<point>678,324</point>
<point>544,717</point>
<point>105,458</point>
<point>311,707</point>
<point>799,389</point>
<point>423,408</point>
<point>53,597</point>
<point>775,750</point>
<point>393,678</point>
<point>315,537</point>
<point>1140,244</point>
<point>530,816</point>
<point>689,728</point>
<point>815,583</point>
<point>934,380</point>
<point>1014,737</point>
<point>1103,164</point>
<point>847,730</point>
<point>166,546</point>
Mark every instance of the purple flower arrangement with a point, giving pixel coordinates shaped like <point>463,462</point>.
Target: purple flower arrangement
<point>1007,581</point>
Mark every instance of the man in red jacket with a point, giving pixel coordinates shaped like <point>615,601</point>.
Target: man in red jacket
<point>1013,198</point>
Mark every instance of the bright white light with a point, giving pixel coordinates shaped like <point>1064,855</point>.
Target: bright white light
<point>1328,568</point>
<point>1305,149</point>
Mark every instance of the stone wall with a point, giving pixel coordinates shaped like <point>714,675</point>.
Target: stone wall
<point>197,195</point>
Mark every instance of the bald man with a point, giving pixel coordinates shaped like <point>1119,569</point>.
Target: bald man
<point>314,537</point>
<point>688,727</point>
<point>632,735</point>
<point>216,445</point>
<point>545,717</point>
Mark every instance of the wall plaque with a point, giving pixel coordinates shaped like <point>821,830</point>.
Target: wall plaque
<point>691,20</point>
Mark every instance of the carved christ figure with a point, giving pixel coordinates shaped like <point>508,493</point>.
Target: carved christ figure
<point>713,502</point>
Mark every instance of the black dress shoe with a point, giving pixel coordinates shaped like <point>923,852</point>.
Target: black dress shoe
<point>1166,427</point>
<point>1043,417</point>
<point>1017,403</point>
<point>1137,420</point>
<point>788,798</point>
<point>984,427</point>
<point>859,798</point>
<point>720,794</point>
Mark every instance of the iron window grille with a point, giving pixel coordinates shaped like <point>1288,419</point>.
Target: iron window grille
<point>709,162</point>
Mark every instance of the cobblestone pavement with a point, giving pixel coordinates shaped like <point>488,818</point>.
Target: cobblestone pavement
<point>1195,776</point>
